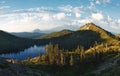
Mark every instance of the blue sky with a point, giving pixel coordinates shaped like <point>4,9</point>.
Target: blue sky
<point>27,15</point>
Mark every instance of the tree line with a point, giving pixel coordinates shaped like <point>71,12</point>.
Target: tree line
<point>55,56</point>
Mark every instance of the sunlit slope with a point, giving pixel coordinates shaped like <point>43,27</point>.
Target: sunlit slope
<point>86,36</point>
<point>55,34</point>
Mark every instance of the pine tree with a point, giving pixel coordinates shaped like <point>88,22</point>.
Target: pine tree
<point>61,58</point>
<point>82,54</point>
<point>78,50</point>
<point>106,46</point>
<point>56,49</point>
<point>56,54</point>
<point>49,53</point>
<point>71,60</point>
<point>94,54</point>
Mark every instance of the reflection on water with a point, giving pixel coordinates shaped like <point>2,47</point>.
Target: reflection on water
<point>32,52</point>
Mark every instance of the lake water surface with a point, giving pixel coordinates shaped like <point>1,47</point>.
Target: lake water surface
<point>22,55</point>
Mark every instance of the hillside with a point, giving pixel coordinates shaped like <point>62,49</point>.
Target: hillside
<point>55,34</point>
<point>10,42</point>
<point>86,36</point>
<point>118,35</point>
<point>99,56</point>
<point>103,33</point>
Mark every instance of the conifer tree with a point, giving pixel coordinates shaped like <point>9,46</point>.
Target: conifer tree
<point>62,59</point>
<point>56,49</point>
<point>78,50</point>
<point>71,60</point>
<point>56,54</point>
<point>106,46</point>
<point>82,54</point>
<point>49,53</point>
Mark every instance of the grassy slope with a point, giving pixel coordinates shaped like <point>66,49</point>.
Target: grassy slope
<point>109,37</point>
<point>55,34</point>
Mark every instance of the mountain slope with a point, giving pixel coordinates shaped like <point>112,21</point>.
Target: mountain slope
<point>107,36</point>
<point>91,26</point>
<point>86,36</point>
<point>55,34</point>
<point>118,35</point>
<point>10,42</point>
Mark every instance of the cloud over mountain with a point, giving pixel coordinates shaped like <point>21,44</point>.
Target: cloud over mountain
<point>44,18</point>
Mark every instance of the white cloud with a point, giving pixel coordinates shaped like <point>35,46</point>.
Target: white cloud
<point>59,16</point>
<point>4,7</point>
<point>119,21</point>
<point>98,2</point>
<point>46,18</point>
<point>71,9</point>
<point>106,1</point>
<point>30,19</point>
<point>93,3</point>
<point>78,15</point>
<point>114,27</point>
<point>80,21</point>
<point>97,16</point>
<point>77,9</point>
<point>67,8</point>
<point>69,14</point>
<point>102,1</point>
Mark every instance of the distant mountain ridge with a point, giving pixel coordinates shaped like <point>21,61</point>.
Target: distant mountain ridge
<point>28,34</point>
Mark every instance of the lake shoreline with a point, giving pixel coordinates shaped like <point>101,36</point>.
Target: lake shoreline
<point>32,51</point>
